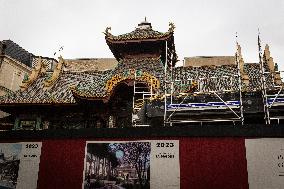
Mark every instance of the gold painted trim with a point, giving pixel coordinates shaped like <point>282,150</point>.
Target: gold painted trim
<point>39,70</point>
<point>146,77</point>
<point>114,81</point>
<point>56,73</point>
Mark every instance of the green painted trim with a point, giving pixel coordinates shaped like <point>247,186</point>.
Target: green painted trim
<point>17,124</point>
<point>38,123</point>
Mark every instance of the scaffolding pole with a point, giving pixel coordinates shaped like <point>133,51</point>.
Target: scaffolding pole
<point>133,103</point>
<point>144,94</point>
<point>238,116</point>
<point>240,89</point>
<point>263,83</point>
<point>276,97</point>
<point>165,84</point>
<point>201,86</point>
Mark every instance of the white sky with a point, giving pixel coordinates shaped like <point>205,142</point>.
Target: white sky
<point>203,27</point>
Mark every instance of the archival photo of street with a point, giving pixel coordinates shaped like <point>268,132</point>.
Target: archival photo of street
<point>123,165</point>
<point>9,164</point>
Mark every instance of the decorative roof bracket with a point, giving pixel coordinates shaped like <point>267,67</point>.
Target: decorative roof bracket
<point>56,73</point>
<point>39,70</point>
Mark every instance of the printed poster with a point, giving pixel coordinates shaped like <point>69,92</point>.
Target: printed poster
<point>19,165</point>
<point>265,163</point>
<point>132,164</point>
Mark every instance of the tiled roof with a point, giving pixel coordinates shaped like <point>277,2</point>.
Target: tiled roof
<point>223,77</point>
<point>15,51</point>
<point>94,84</point>
<point>142,32</point>
<point>90,84</point>
<point>5,89</point>
<point>211,78</point>
<point>60,92</point>
<point>97,88</point>
<point>254,75</point>
<point>139,34</point>
<point>252,70</point>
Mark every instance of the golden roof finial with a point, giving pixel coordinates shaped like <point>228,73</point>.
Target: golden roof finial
<point>171,27</point>
<point>106,32</point>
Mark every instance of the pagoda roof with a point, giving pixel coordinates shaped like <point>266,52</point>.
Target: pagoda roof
<point>72,84</point>
<point>143,32</point>
<point>95,85</point>
<point>92,79</point>
<point>143,41</point>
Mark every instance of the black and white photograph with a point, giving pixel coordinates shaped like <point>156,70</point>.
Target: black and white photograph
<point>9,165</point>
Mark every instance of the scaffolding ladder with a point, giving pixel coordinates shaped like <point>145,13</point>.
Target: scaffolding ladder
<point>141,92</point>
<point>263,85</point>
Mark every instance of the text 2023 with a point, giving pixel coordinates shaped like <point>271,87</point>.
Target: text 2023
<point>164,144</point>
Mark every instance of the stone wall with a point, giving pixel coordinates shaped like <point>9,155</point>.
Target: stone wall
<point>209,61</point>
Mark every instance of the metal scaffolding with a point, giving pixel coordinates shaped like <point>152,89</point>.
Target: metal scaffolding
<point>263,84</point>
<point>272,96</point>
<point>274,100</point>
<point>140,94</point>
<point>186,109</point>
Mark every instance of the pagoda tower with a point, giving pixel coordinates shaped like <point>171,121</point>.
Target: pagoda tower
<point>142,55</point>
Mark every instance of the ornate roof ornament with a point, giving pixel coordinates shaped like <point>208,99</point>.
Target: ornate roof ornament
<point>241,62</point>
<point>239,50</point>
<point>132,74</point>
<point>268,59</point>
<point>39,70</point>
<point>106,32</point>
<point>271,65</point>
<point>171,27</point>
<point>56,73</point>
<point>105,84</point>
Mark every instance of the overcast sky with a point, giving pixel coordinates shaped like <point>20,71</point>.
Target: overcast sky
<point>203,27</point>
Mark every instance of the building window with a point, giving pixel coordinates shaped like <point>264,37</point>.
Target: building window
<point>27,124</point>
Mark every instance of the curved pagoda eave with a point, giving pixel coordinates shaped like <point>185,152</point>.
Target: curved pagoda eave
<point>117,47</point>
<point>120,45</point>
<point>78,95</point>
<point>116,39</point>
